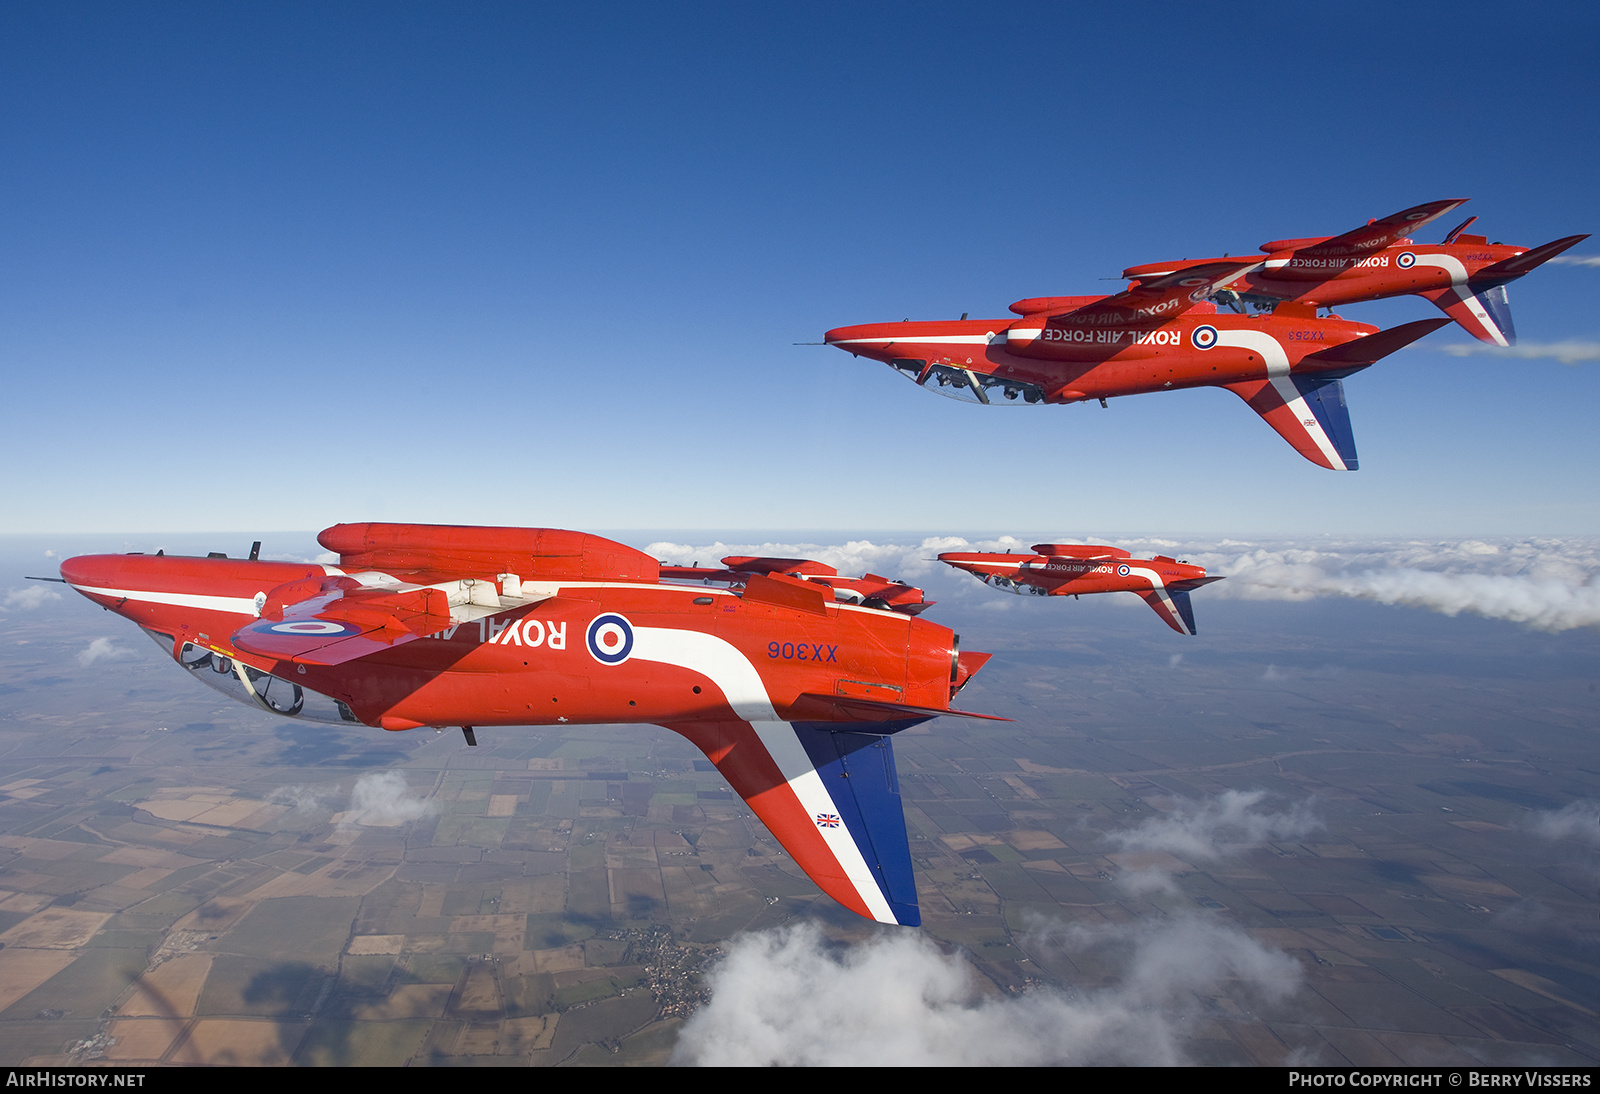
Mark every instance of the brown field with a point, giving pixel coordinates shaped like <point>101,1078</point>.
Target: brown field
<point>55,929</point>
<point>143,1038</point>
<point>239,1042</point>
<point>408,1001</point>
<point>23,970</point>
<point>170,989</point>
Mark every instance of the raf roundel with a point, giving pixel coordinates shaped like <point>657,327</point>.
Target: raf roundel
<point>1405,260</point>
<point>314,626</point>
<point>1123,571</point>
<point>1204,336</point>
<point>610,639</point>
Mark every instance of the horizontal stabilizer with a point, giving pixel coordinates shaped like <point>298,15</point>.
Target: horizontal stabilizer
<point>1362,352</point>
<point>1307,411</point>
<point>857,709</point>
<point>1517,265</point>
<point>832,799</point>
<point>1190,584</point>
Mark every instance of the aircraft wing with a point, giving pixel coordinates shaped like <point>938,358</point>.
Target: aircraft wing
<point>831,797</point>
<point>332,620</point>
<point>1163,296</point>
<point>342,620</point>
<point>1382,233</point>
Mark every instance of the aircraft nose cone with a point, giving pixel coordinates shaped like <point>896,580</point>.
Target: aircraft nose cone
<point>84,570</point>
<point>863,338</point>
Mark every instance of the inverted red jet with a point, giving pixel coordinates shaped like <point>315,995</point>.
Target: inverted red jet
<point>1465,275</point>
<point>1072,569</point>
<point>790,693</point>
<point>869,590</point>
<point>1159,334</point>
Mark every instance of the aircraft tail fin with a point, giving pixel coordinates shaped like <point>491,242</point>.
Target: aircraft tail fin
<point>1481,310</point>
<point>831,797</point>
<point>1173,606</point>
<point>1480,306</point>
<point>1307,411</point>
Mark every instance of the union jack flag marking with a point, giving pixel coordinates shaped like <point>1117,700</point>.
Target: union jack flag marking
<point>827,820</point>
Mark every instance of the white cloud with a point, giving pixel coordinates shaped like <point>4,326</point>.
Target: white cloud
<point>786,997</point>
<point>29,597</point>
<point>1578,822</point>
<point>1546,584</point>
<point>1229,824</point>
<point>1574,260</point>
<point>103,649</point>
<point>382,799</point>
<point>1568,353</point>
<point>302,799</point>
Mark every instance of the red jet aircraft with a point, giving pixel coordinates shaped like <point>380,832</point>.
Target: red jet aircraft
<point>1159,334</point>
<point>1072,569</point>
<point>869,590</point>
<point>791,694</point>
<point>1466,275</point>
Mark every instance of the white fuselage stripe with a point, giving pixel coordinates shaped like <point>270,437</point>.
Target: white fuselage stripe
<point>237,605</point>
<point>931,339</point>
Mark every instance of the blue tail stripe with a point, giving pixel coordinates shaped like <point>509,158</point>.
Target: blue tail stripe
<point>1326,399</point>
<point>1498,306</point>
<point>1180,599</point>
<point>858,770</point>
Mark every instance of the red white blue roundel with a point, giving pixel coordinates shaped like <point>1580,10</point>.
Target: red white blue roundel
<point>1123,571</point>
<point>1204,336</point>
<point>1405,260</point>
<point>610,639</point>
<point>314,626</point>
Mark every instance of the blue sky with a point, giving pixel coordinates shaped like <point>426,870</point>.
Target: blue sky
<point>275,266</point>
